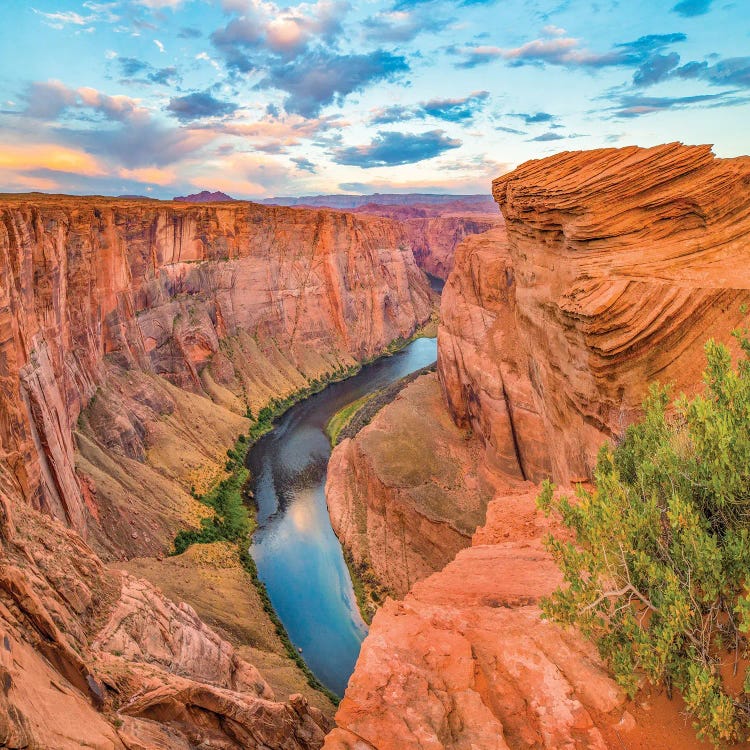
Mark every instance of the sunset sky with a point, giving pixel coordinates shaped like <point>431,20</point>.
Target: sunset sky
<point>163,97</point>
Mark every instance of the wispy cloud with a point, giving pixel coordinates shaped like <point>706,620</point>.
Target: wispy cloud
<point>458,109</point>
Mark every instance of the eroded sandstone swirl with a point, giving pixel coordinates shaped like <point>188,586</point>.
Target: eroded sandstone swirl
<point>619,264</point>
<point>613,270</point>
<point>134,335</point>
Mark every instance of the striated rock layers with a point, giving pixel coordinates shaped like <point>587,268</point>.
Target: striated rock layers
<point>619,264</point>
<point>133,337</point>
<point>616,267</point>
<point>408,491</point>
<point>93,658</point>
<point>434,231</point>
<point>109,304</point>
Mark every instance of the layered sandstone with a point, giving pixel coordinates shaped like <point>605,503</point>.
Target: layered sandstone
<point>466,661</point>
<point>435,231</point>
<point>408,491</point>
<point>619,264</point>
<point>109,303</point>
<point>615,268</point>
<point>94,658</point>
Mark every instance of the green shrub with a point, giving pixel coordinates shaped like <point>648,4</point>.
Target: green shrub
<point>658,570</point>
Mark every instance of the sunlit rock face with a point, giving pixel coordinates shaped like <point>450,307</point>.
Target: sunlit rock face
<point>237,302</point>
<point>618,265</point>
<point>612,270</point>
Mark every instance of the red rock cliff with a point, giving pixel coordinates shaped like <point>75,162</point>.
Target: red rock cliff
<point>235,301</point>
<point>616,267</point>
<point>133,335</point>
<point>619,264</point>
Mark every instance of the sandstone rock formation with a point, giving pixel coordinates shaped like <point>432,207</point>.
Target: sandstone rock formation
<point>434,231</point>
<point>407,492</point>
<point>465,661</point>
<point>88,655</point>
<point>619,265</point>
<point>613,269</point>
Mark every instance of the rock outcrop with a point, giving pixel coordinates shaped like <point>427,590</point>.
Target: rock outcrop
<point>613,269</point>
<point>619,264</point>
<point>465,661</point>
<point>95,658</point>
<point>408,491</point>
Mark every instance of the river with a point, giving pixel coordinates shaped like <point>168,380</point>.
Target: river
<point>298,556</point>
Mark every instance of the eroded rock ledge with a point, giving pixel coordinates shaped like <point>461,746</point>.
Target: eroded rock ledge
<point>619,264</point>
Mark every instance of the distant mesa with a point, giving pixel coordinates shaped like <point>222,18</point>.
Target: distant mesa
<point>204,196</point>
<point>381,199</point>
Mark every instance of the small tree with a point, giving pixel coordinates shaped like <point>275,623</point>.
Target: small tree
<point>658,572</point>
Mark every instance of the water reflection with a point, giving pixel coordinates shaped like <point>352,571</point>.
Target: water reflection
<point>297,554</point>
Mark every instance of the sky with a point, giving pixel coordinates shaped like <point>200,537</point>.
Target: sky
<point>255,98</point>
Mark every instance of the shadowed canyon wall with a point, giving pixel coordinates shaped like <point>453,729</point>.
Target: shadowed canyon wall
<point>613,269</point>
<point>133,337</point>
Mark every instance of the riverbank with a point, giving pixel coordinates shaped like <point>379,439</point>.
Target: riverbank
<point>214,567</point>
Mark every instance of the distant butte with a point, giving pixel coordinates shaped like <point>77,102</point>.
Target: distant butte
<point>204,196</point>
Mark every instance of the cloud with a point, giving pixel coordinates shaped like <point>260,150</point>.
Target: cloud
<point>534,118</point>
<point>140,71</point>
<point>199,105</point>
<point>98,12</point>
<point>153,175</point>
<point>48,100</point>
<point>549,136</point>
<point>450,110</point>
<point>565,51</point>
<point>188,32</point>
<point>636,106</point>
<point>406,4</point>
<point>125,132</point>
<point>266,28</point>
<point>689,8</point>
<point>510,130</point>
<point>28,157</point>
<point>315,80</point>
<point>391,148</point>
<point>734,71</point>
<point>400,25</point>
<point>159,45</point>
<point>656,69</point>
<point>304,164</point>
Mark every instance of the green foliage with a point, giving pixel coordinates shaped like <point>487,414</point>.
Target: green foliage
<point>658,569</point>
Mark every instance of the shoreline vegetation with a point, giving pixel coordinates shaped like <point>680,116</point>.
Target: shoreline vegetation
<point>234,518</point>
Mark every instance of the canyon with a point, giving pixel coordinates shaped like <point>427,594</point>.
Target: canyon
<point>612,270</point>
<point>139,339</point>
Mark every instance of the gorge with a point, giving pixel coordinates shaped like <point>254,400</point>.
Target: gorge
<point>139,339</point>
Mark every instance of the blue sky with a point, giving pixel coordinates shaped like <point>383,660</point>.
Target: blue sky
<point>161,97</point>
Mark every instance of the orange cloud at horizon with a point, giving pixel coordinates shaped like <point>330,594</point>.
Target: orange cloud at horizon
<point>27,157</point>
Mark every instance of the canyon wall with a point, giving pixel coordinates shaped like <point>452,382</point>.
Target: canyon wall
<point>435,231</point>
<point>619,264</point>
<point>110,304</point>
<point>407,492</point>
<point>134,336</point>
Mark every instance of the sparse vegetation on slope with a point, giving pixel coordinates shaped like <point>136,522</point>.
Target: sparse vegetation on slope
<point>658,571</point>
